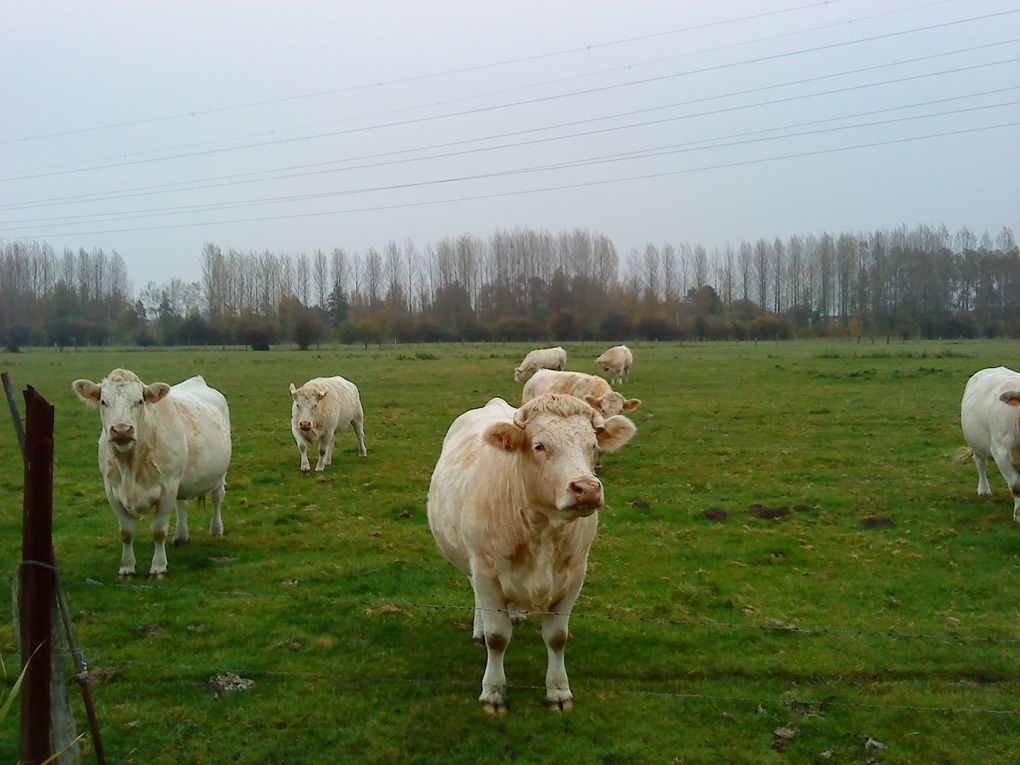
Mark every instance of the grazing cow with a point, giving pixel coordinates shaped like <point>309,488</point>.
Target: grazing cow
<point>322,406</point>
<point>990,416</point>
<point>513,504</point>
<point>590,388</point>
<point>617,361</point>
<point>159,447</point>
<point>542,358</point>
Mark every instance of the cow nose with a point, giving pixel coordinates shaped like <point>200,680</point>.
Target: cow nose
<point>305,425</point>
<point>122,432</point>
<point>587,492</point>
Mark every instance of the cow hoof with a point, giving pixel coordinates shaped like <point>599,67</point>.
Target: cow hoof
<point>478,640</point>
<point>306,471</point>
<point>181,542</point>
<point>158,574</point>
<point>985,494</point>
<point>561,705</point>
<point>495,707</point>
<point>125,575</point>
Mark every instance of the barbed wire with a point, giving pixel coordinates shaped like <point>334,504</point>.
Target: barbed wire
<point>584,614</point>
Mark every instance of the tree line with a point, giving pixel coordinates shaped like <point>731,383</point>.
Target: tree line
<point>528,285</point>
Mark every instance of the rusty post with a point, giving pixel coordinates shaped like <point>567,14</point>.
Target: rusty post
<point>13,406</point>
<point>37,580</point>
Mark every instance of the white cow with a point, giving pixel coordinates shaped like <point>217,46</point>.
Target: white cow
<point>513,504</point>
<point>990,416</point>
<point>159,447</point>
<point>589,388</point>
<point>541,358</point>
<point>322,406</point>
<point>617,361</point>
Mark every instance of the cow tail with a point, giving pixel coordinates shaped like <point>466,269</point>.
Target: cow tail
<point>963,456</point>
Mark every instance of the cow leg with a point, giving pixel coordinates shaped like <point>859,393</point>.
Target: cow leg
<point>330,443</point>
<point>181,536</point>
<point>359,431</point>
<point>554,633</point>
<point>303,448</point>
<point>216,525</point>
<point>127,537</point>
<point>497,631</point>
<point>323,449</point>
<point>1004,460</point>
<point>984,488</point>
<point>160,524</point>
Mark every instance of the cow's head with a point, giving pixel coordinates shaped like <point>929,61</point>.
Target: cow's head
<point>123,400</point>
<point>306,399</point>
<point>518,374</point>
<point>555,437</point>
<point>612,403</point>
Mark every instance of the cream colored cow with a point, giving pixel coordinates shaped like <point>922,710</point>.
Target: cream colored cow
<point>589,388</point>
<point>513,504</point>
<point>320,407</point>
<point>541,358</point>
<point>990,416</point>
<point>617,361</point>
<point>159,447</point>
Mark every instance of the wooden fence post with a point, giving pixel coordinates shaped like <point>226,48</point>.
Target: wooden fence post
<point>37,580</point>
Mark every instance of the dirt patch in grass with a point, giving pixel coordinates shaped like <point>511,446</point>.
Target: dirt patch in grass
<point>769,513</point>
<point>716,514</point>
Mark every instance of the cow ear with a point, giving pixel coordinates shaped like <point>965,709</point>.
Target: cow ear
<point>631,404</point>
<point>1011,397</point>
<point>594,402</point>
<point>87,391</point>
<point>293,391</point>
<point>155,392</point>
<point>615,433</point>
<point>506,436</point>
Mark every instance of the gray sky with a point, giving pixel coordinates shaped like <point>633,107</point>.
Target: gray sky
<point>152,128</point>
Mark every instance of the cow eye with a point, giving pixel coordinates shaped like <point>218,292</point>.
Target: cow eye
<point>538,447</point>
<point>140,402</point>
<point>103,402</point>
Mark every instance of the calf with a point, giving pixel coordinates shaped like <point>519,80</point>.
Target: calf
<point>159,447</point>
<point>617,361</point>
<point>542,358</point>
<point>990,416</point>
<point>591,389</point>
<point>320,407</point>
<point>513,504</point>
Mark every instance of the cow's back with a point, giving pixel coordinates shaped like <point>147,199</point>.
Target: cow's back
<point>204,416</point>
<point>465,482</point>
<point>576,384</point>
<point>982,415</point>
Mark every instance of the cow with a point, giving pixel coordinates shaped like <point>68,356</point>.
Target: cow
<point>513,504</point>
<point>159,447</point>
<point>541,358</point>
<point>320,407</point>
<point>589,388</point>
<point>617,361</point>
<point>990,416</point>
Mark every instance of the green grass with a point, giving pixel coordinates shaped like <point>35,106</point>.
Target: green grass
<point>329,593</point>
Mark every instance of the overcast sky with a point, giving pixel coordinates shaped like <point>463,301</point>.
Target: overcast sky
<point>151,128</point>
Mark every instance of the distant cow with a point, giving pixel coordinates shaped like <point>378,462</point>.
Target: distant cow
<point>542,358</point>
<point>512,504</point>
<point>159,447</point>
<point>617,361</point>
<point>321,407</point>
<point>589,388</point>
<point>990,415</point>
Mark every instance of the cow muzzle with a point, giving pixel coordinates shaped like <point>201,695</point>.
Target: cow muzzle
<point>122,435</point>
<point>305,425</point>
<point>585,495</point>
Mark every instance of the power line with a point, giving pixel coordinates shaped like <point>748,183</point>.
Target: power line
<point>247,176</point>
<point>503,91</point>
<point>513,104</point>
<point>504,194</point>
<point>420,77</point>
<point>646,153</point>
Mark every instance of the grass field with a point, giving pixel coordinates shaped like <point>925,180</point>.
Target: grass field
<point>328,592</point>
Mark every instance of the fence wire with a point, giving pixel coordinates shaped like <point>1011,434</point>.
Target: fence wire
<point>586,614</point>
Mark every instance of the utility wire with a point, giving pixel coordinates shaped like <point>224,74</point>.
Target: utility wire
<point>248,176</point>
<point>526,102</point>
<point>645,153</point>
<point>420,77</point>
<point>503,91</point>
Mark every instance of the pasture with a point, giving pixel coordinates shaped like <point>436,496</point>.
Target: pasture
<point>327,590</point>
